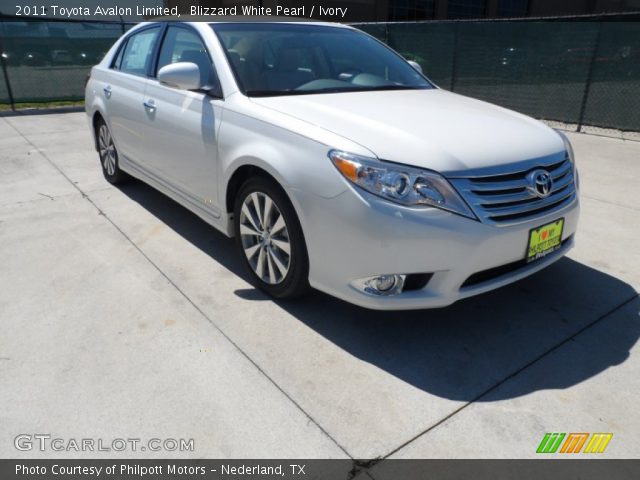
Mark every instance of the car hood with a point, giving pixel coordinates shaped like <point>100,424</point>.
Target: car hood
<point>432,129</point>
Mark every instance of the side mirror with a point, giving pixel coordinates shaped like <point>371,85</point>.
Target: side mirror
<point>182,75</point>
<point>415,65</point>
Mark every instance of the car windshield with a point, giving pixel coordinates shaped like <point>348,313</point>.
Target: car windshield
<point>270,59</point>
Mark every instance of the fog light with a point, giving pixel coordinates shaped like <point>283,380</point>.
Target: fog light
<point>390,284</point>
<point>384,283</point>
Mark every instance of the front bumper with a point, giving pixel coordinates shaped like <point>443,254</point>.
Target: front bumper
<point>358,235</point>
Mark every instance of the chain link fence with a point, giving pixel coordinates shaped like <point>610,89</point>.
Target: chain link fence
<point>47,61</point>
<point>580,73</point>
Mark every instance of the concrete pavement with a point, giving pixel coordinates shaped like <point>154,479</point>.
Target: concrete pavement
<point>125,315</point>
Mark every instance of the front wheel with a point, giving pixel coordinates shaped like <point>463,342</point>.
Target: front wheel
<point>270,239</point>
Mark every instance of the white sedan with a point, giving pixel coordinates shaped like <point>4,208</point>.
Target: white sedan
<point>334,162</point>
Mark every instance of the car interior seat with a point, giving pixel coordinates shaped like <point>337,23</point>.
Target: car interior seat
<point>289,71</point>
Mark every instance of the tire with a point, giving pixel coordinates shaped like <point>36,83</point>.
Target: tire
<point>272,248</point>
<point>108,155</point>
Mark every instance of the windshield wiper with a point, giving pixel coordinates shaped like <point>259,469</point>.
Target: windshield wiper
<point>389,87</point>
<point>275,93</point>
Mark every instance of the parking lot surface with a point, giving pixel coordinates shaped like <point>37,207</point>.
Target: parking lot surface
<point>123,315</point>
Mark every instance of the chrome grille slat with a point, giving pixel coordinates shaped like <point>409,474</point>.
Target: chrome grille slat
<point>529,206</point>
<point>563,182</point>
<point>511,219</point>
<point>563,169</point>
<point>491,186</point>
<point>497,199</point>
<point>504,198</point>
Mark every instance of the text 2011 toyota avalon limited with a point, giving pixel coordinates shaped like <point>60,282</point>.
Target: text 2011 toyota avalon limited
<point>333,161</point>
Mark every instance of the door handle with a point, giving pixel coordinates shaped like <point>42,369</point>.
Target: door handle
<point>107,91</point>
<point>150,104</point>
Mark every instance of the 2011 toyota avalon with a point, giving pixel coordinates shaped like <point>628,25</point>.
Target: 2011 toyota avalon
<point>333,161</point>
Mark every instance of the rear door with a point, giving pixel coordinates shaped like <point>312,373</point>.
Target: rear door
<point>182,126</point>
<point>124,92</point>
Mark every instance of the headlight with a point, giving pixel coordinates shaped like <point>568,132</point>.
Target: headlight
<point>570,155</point>
<point>399,183</point>
<point>567,147</point>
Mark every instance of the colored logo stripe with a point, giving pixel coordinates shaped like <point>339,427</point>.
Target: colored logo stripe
<point>574,443</point>
<point>550,443</point>
<point>598,442</point>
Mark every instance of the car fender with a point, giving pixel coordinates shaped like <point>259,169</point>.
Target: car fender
<point>292,159</point>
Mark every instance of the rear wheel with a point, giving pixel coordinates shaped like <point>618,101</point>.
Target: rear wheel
<point>270,239</point>
<point>108,155</point>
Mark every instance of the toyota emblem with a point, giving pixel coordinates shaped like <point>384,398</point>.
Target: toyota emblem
<point>540,183</point>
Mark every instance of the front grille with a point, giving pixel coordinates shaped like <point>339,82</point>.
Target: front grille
<point>504,197</point>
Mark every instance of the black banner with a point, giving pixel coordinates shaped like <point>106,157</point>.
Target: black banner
<point>543,469</point>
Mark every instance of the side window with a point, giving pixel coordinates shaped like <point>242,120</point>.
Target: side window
<point>138,52</point>
<point>183,45</point>
<point>117,62</point>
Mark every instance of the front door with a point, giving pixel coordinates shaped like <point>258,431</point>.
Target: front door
<point>182,126</point>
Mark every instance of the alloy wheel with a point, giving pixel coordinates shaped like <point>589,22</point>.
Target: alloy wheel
<point>265,238</point>
<point>107,150</point>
